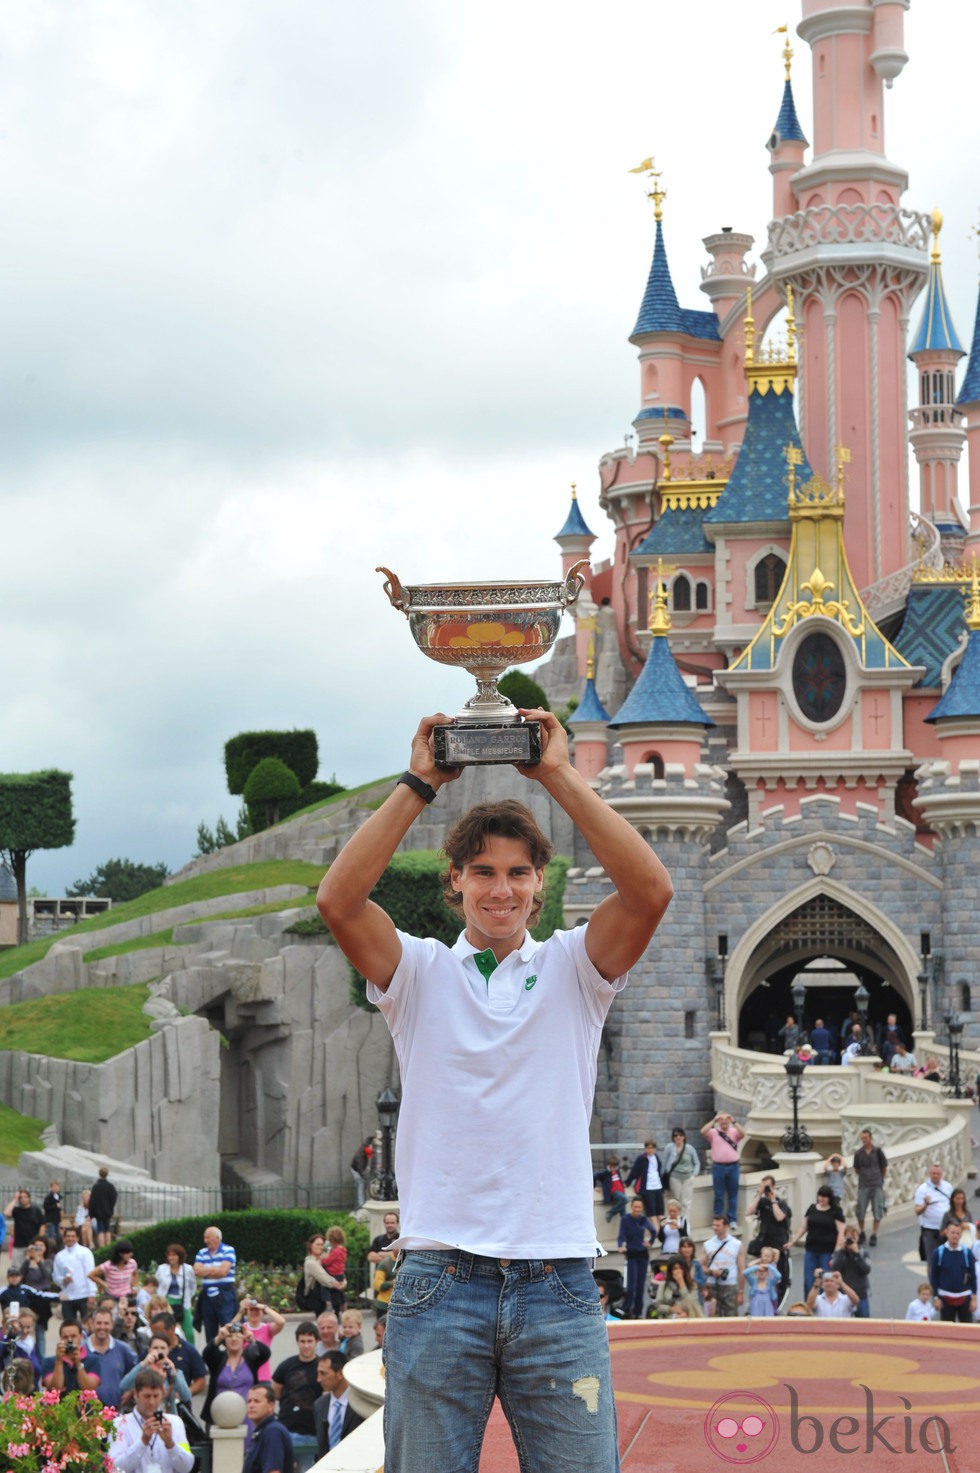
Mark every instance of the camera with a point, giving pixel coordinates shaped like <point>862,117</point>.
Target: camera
<point>235,1328</point>
<point>159,1414</point>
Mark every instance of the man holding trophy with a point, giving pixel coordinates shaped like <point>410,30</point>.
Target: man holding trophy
<point>497,1039</point>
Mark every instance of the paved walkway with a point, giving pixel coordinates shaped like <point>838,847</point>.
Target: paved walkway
<point>703,1397</point>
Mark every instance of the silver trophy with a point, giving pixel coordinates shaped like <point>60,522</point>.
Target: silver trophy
<point>486,628</point>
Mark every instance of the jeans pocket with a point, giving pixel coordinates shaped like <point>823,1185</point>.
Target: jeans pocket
<point>572,1283</point>
<point>420,1287</point>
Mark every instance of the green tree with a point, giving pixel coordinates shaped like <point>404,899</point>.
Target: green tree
<point>297,749</point>
<point>121,879</point>
<point>268,784</point>
<point>522,690</point>
<point>35,813</point>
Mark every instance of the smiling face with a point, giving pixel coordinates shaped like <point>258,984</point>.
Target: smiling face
<point>498,887</point>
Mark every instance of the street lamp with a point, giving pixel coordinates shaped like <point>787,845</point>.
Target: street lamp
<point>954,1027</point>
<point>796,1138</point>
<point>388,1104</point>
<point>925,947</point>
<point>861,999</point>
<point>798,990</point>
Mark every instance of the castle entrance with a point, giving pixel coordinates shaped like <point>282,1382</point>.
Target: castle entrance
<point>832,950</point>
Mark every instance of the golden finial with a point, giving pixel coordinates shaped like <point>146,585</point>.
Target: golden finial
<point>787,49</point>
<point>659,613</point>
<point>794,457</point>
<point>790,325</point>
<point>749,328</point>
<point>843,457</point>
<point>937,225</point>
<point>666,440</point>
<point>657,194</point>
<point>574,492</point>
<point>590,659</point>
<point>973,598</point>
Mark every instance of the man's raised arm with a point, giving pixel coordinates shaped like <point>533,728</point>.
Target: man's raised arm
<point>363,931</point>
<point>620,927</point>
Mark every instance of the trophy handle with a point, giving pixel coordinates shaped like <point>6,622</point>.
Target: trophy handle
<point>573,584</point>
<point>396,593</point>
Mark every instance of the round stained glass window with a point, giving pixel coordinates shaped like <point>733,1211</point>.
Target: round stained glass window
<point>819,677</point>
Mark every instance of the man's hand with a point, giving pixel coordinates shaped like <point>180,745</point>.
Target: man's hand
<point>166,1433</point>
<point>554,745</point>
<point>422,760</point>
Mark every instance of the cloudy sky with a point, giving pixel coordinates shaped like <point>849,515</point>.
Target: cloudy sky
<point>291,289</point>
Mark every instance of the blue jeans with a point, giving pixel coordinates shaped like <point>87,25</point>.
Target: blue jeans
<point>462,1329</point>
<point>304,1451</point>
<point>218,1309</point>
<point>811,1262</point>
<point>724,1179</point>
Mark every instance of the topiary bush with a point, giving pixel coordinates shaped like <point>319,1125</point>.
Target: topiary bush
<point>523,691</point>
<point>269,782</point>
<point>297,749</point>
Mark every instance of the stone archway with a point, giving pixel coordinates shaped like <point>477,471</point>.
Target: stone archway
<point>823,919</point>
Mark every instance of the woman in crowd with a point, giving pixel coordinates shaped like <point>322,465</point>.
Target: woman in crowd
<point>233,1359</point>
<point>36,1275</point>
<point>118,1274</point>
<point>677,1296</point>
<point>316,1281</point>
<point>673,1228</point>
<point>263,1324</point>
<point>176,1282</point>
<point>823,1229</point>
<point>688,1254</point>
<point>958,1212</point>
<point>763,1278</point>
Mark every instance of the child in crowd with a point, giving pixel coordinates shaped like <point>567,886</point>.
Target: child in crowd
<point>335,1263</point>
<point>763,1279</point>
<point>922,1307</point>
<point>835,1168</point>
<point>351,1340</point>
<point>145,1292</point>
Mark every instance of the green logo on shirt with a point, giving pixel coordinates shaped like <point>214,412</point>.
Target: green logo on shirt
<point>529,983</point>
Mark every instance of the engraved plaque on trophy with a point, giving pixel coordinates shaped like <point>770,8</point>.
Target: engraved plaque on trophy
<point>485,628</point>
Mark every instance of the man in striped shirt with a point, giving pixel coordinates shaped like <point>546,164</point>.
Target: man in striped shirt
<point>215,1267</point>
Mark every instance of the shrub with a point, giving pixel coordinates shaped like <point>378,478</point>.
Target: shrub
<point>522,690</point>
<point>269,782</point>
<point>258,1235</point>
<point>297,749</point>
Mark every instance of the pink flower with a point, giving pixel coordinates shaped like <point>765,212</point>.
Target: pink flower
<point>50,1398</point>
<point>87,1396</point>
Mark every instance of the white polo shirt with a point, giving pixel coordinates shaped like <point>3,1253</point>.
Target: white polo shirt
<point>932,1216</point>
<point>498,1077</point>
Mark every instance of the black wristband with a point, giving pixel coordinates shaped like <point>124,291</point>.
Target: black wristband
<point>417,785</point>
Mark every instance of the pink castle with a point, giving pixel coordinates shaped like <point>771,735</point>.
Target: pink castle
<point>779,669</point>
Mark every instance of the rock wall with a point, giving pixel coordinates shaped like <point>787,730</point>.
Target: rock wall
<point>150,1106</point>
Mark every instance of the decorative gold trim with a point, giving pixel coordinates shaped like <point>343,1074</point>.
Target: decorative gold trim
<point>702,495</point>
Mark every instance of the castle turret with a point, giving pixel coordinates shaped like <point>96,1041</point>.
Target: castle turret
<point>956,716</point>
<point>937,435</point>
<point>574,539</point>
<point>968,400</point>
<point>589,723</point>
<point>787,143</point>
<point>856,260</point>
<point>660,722</point>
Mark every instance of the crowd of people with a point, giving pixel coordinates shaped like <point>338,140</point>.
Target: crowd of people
<point>132,1339</point>
<point>668,1276</point>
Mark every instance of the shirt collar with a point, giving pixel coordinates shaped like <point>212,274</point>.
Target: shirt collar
<point>464,948</point>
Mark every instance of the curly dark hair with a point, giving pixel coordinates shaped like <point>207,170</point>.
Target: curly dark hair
<point>506,819</point>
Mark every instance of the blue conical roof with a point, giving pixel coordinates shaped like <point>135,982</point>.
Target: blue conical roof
<point>660,696</point>
<point>677,530</point>
<point>970,387</point>
<point>787,126</point>
<point>757,488</point>
<point>936,330</point>
<point>574,523</point>
<point>660,310</point>
<point>589,708</point>
<point>962,697</point>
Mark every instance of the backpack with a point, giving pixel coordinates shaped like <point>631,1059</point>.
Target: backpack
<point>309,1301</point>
